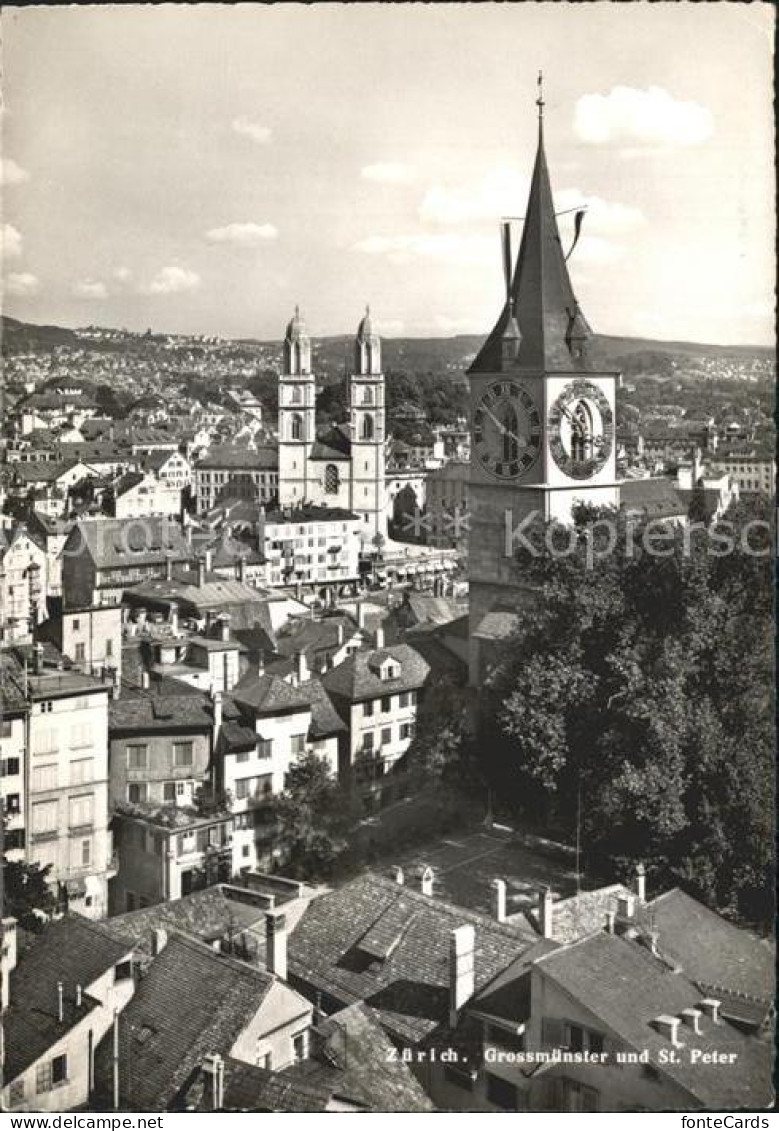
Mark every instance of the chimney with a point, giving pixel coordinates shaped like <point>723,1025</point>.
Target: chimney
<point>78,996</point>
<point>711,1007</point>
<point>217,702</point>
<point>360,615</point>
<point>380,636</point>
<point>610,918</point>
<point>174,617</point>
<point>201,573</point>
<point>214,1067</point>
<point>240,569</point>
<point>159,939</point>
<point>301,668</point>
<point>145,681</point>
<point>60,1003</point>
<point>640,883</point>
<point>168,569</point>
<point>224,628</point>
<point>461,969</point>
<point>426,881</point>
<point>668,1027</point>
<point>340,635</point>
<point>546,913</point>
<point>499,900</point>
<point>208,560</point>
<point>626,906</point>
<point>276,943</point>
<point>38,659</point>
<point>692,1017</point>
<point>397,875</point>
<point>261,663</point>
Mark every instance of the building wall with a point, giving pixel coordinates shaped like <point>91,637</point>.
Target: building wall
<point>619,1088</point>
<point>92,638</point>
<point>22,592</point>
<point>282,1015</point>
<point>149,497</point>
<point>112,993</point>
<point>160,764</point>
<point>67,790</point>
<point>13,769</point>
<point>308,550</point>
<point>214,483</point>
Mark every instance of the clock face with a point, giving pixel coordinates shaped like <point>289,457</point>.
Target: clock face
<point>581,430</point>
<point>506,430</point>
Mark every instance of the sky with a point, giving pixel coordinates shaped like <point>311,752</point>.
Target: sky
<point>203,169</point>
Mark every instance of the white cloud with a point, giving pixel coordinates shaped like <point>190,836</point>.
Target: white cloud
<point>10,242</point>
<point>649,117</point>
<point>90,288</point>
<point>595,249</point>
<point>11,173</point>
<point>243,235</point>
<point>173,280</point>
<point>258,133</point>
<point>390,172</point>
<point>500,192</point>
<point>122,274</point>
<point>447,246</point>
<point>22,284</point>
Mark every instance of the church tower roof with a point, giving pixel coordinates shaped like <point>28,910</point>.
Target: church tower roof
<point>551,325</point>
<point>296,327</point>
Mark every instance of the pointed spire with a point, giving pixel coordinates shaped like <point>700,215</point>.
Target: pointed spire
<point>544,304</point>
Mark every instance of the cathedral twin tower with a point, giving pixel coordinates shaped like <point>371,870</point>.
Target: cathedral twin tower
<point>342,466</point>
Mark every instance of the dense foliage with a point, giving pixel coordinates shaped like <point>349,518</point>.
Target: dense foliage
<point>638,705</point>
<point>314,818</point>
<point>26,891</point>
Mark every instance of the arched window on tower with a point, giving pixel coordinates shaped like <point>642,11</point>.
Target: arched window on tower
<point>296,426</point>
<point>367,395</point>
<point>367,427</point>
<point>296,396</point>
<point>332,479</point>
<point>510,430</point>
<point>581,432</point>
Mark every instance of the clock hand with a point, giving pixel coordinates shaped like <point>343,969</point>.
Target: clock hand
<point>504,431</point>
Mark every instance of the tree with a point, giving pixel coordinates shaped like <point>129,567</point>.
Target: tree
<point>26,890</point>
<point>697,510</point>
<point>440,750</point>
<point>636,699</point>
<point>314,818</point>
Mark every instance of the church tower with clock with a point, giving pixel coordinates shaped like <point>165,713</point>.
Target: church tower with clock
<point>542,416</point>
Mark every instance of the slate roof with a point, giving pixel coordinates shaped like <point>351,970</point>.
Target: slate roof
<point>496,625</point>
<point>508,995</point>
<point>115,543</point>
<point>357,678</point>
<point>75,951</point>
<point>190,1003</point>
<point>712,951</point>
<point>216,594</point>
<point>627,988</point>
<point>325,720</point>
<point>308,513</point>
<point>584,913</point>
<point>409,988</point>
<point>247,1087</point>
<point>653,498</point>
<point>142,711</point>
<point>267,694</point>
<point>208,915</point>
<point>354,1057</point>
<point>227,456</point>
<point>542,296</point>
<point>312,636</point>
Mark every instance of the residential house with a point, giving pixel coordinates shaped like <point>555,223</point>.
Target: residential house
<point>64,993</point>
<point>313,546</point>
<point>137,494</point>
<point>194,1003</point>
<point>167,851</point>
<point>447,518</point>
<point>66,774</point>
<point>104,556</point>
<point>171,468</point>
<point>51,533</point>
<point>376,692</point>
<point>23,584</point>
<point>13,767</point>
